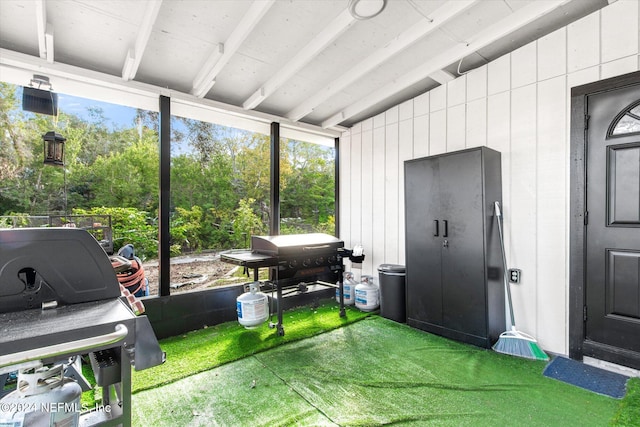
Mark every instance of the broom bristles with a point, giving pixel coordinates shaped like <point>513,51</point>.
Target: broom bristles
<point>517,344</point>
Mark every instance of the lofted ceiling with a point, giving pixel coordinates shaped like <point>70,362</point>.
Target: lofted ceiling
<point>306,61</point>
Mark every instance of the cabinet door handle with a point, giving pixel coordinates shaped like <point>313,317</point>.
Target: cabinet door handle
<point>446,228</point>
<point>436,223</point>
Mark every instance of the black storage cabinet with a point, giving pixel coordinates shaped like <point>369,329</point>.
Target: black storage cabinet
<point>453,267</point>
<point>392,292</point>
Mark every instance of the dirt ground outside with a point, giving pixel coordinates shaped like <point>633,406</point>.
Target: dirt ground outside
<point>195,272</point>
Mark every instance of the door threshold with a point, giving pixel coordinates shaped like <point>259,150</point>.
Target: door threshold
<point>612,367</point>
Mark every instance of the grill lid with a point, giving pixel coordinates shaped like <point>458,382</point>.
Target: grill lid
<point>295,244</point>
<point>42,265</point>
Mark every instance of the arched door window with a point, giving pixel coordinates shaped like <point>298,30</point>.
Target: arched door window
<point>626,122</point>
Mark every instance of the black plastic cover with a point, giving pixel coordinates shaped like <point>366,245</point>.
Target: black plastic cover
<point>53,265</point>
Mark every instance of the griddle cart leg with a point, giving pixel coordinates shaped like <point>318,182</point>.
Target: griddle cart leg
<point>279,294</point>
<point>341,288</point>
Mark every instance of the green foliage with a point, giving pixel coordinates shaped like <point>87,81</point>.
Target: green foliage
<point>308,188</point>
<point>246,223</point>
<point>126,178</point>
<point>220,177</point>
<point>130,226</point>
<point>185,229</point>
<point>328,227</point>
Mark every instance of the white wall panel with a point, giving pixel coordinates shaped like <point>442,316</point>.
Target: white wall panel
<point>366,125</point>
<point>421,105</point>
<point>523,205</point>
<point>620,30</point>
<point>391,194</point>
<point>528,124</point>
<point>477,83</point>
<point>499,139</point>
<point>379,120</point>
<point>345,188</point>
<point>455,128</point>
<point>391,115</point>
<point>367,195</point>
<point>356,188</point>
<point>406,110</point>
<point>552,55</point>
<point>587,75</point>
<point>499,77</point>
<point>438,132</point>
<point>476,126</point>
<point>619,67</point>
<point>524,65</point>
<point>552,204</point>
<point>405,153</point>
<point>583,43</point>
<point>421,136</point>
<point>377,252</point>
<point>438,99</point>
<point>457,91</point>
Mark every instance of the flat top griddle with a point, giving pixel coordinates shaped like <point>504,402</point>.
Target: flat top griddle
<point>295,244</point>
<point>294,259</point>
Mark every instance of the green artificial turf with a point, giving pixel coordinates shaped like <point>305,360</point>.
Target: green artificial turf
<point>378,372</point>
<point>628,413</point>
<point>207,348</point>
<point>204,349</point>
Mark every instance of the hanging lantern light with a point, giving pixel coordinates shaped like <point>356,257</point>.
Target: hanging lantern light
<point>53,148</point>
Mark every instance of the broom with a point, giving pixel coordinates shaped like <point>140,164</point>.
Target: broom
<point>514,342</point>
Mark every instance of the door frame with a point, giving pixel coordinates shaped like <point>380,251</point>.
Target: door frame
<point>577,251</point>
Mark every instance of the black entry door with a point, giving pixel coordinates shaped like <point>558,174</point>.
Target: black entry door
<point>612,234</point>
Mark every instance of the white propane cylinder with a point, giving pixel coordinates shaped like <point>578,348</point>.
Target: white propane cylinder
<point>348,288</point>
<point>367,295</point>
<point>252,307</point>
<point>43,398</point>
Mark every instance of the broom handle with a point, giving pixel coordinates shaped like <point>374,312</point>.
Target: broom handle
<point>504,263</point>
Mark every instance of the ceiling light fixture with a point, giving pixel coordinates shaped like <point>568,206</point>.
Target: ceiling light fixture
<point>366,9</point>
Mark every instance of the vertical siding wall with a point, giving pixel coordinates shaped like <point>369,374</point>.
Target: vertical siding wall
<point>519,105</point>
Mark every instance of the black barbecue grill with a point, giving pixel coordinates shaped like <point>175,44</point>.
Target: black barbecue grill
<point>60,298</point>
<point>293,260</point>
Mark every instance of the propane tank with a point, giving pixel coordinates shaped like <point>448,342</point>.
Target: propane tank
<point>44,397</point>
<point>367,294</point>
<point>348,288</point>
<point>252,307</point>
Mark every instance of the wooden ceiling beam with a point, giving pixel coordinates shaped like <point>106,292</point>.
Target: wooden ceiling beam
<point>312,49</point>
<point>414,33</point>
<point>134,55</point>
<point>206,77</point>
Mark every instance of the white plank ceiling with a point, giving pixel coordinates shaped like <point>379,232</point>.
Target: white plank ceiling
<point>306,61</point>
